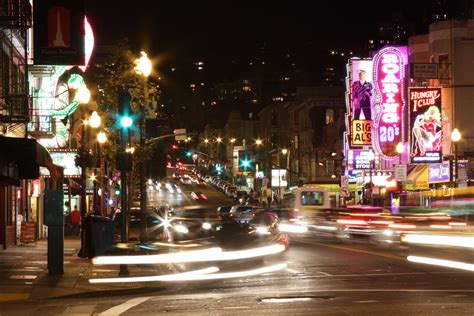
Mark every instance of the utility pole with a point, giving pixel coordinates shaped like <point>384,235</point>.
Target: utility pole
<point>125,122</point>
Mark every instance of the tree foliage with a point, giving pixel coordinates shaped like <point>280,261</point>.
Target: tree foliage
<point>115,74</point>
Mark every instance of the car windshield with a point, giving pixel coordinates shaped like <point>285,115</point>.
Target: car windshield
<point>312,198</point>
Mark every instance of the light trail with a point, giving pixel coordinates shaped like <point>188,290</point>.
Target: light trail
<point>442,263</point>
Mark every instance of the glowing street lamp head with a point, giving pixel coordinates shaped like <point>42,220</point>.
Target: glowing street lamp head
<point>400,148</point>
<point>95,120</point>
<point>206,141</point>
<point>455,135</point>
<point>218,139</point>
<point>83,95</point>
<point>101,137</point>
<point>371,155</point>
<point>284,151</point>
<point>126,121</point>
<point>143,65</point>
<point>232,140</point>
<point>258,142</point>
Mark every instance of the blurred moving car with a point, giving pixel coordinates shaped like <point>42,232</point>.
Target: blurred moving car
<point>198,196</point>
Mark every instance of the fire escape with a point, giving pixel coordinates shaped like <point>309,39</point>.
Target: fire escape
<point>15,20</point>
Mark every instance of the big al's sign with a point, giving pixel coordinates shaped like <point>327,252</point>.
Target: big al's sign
<point>388,67</point>
<point>425,124</point>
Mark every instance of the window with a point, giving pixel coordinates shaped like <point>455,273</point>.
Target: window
<point>329,116</point>
<point>312,198</point>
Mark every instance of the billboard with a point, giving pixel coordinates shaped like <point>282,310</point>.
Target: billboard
<point>439,173</point>
<point>389,95</point>
<point>425,125</point>
<point>358,160</point>
<point>279,178</point>
<point>360,102</point>
<point>59,32</point>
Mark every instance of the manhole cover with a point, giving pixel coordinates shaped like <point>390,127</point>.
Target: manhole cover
<point>292,299</point>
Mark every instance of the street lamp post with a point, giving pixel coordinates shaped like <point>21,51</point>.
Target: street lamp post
<point>455,137</point>
<point>94,122</point>
<point>143,67</point>
<point>102,138</point>
<point>371,158</point>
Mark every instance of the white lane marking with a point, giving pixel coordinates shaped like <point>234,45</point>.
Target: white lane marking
<point>292,271</point>
<point>23,277</point>
<point>236,307</point>
<point>365,302</point>
<point>119,309</point>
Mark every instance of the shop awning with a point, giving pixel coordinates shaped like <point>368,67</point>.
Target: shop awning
<point>20,158</point>
<point>417,178</point>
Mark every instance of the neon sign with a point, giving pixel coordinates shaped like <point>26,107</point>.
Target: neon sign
<point>425,125</point>
<point>389,77</point>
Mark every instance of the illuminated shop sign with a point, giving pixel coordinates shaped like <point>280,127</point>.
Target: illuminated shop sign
<point>65,159</point>
<point>439,173</point>
<point>389,78</point>
<point>359,102</point>
<point>358,160</point>
<point>425,125</point>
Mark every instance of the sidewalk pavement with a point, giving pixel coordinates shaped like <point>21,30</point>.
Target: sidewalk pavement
<point>24,273</point>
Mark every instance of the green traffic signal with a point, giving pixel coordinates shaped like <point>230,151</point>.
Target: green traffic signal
<point>188,153</point>
<point>126,121</point>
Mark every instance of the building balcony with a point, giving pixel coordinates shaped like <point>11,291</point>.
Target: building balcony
<point>15,108</point>
<point>15,14</point>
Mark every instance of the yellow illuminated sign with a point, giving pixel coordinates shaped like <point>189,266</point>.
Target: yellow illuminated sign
<point>361,132</point>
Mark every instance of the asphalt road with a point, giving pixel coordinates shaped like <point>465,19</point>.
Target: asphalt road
<point>321,278</point>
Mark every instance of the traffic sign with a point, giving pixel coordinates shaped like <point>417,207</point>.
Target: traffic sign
<point>345,192</point>
<point>179,134</point>
<point>401,172</point>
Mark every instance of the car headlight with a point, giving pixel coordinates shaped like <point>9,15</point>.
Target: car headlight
<point>262,230</point>
<point>206,226</point>
<point>181,229</point>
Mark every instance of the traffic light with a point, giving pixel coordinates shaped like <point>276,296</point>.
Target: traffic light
<point>125,110</point>
<point>246,160</point>
<point>174,146</point>
<point>117,190</point>
<point>188,153</point>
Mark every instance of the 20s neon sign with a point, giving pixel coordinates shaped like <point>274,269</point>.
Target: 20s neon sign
<point>389,100</point>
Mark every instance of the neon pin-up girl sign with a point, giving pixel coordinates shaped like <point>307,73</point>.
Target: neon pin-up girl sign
<point>389,64</point>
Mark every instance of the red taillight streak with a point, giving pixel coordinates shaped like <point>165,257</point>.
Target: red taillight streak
<point>441,226</point>
<point>351,222</point>
<point>382,222</point>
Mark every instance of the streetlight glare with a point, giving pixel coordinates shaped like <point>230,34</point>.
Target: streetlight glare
<point>126,121</point>
<point>258,142</point>
<point>400,148</point>
<point>455,135</point>
<point>83,95</point>
<point>143,65</point>
<point>284,151</point>
<point>101,137</point>
<point>206,140</point>
<point>95,120</point>
<point>371,155</point>
<point>218,139</point>
<point>232,140</point>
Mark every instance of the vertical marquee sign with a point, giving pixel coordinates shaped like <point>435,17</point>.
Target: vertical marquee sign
<point>425,125</point>
<point>359,102</point>
<point>388,67</point>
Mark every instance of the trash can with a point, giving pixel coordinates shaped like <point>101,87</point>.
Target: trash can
<point>100,235</point>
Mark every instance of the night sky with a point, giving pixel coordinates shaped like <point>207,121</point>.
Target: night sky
<point>180,29</point>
